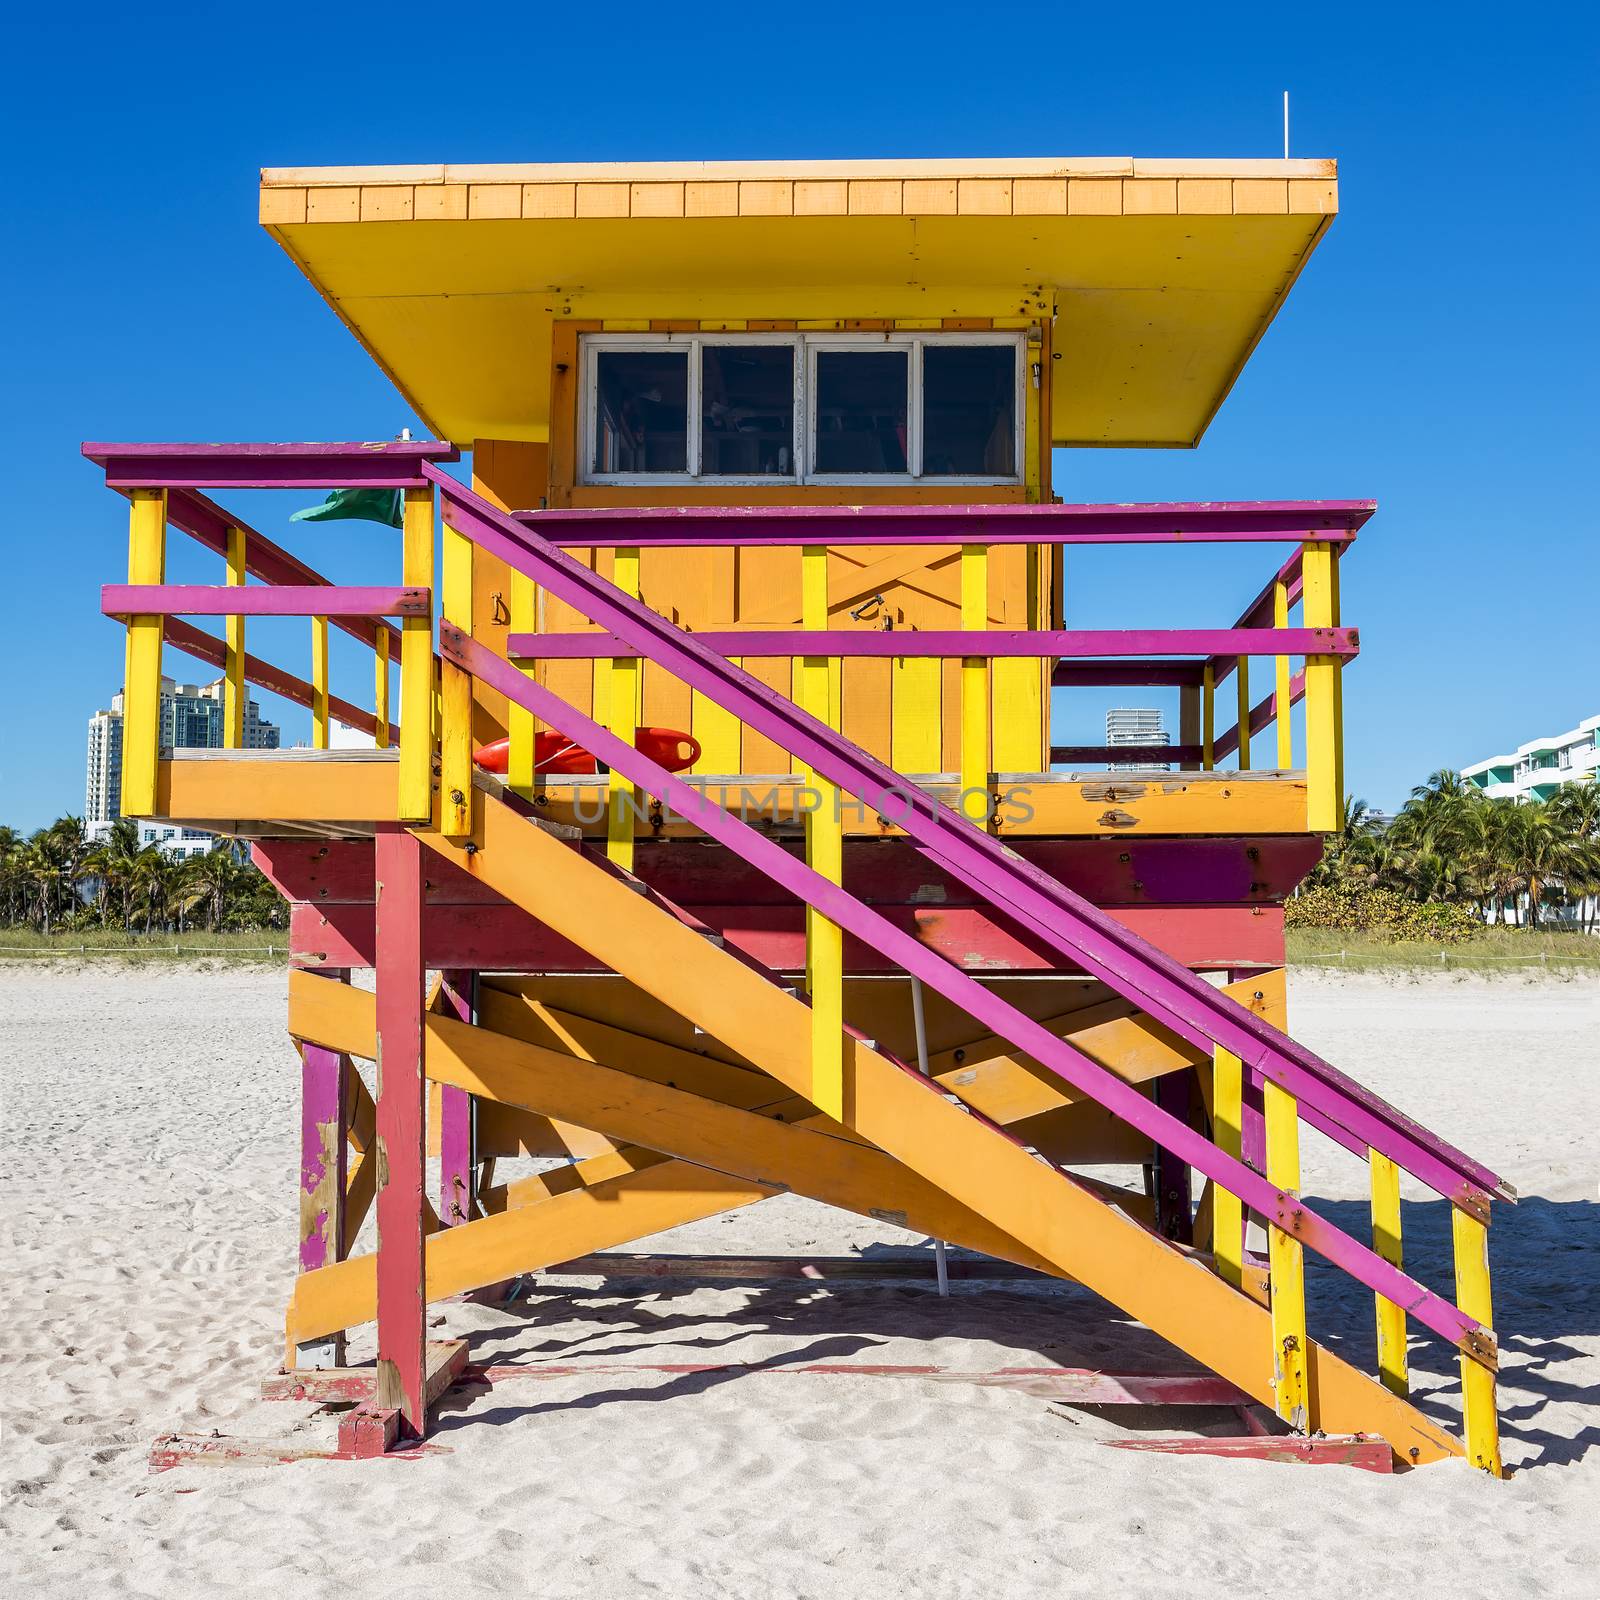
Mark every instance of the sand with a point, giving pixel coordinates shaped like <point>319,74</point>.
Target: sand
<point>150,1158</point>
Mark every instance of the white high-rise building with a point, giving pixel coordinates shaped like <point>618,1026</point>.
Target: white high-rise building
<point>191,719</point>
<point>1136,725</point>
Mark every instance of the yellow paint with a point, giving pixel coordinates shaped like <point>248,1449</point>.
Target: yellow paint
<point>1227,1120</point>
<point>1241,672</point>
<point>319,683</point>
<point>1283,712</point>
<point>233,692</point>
<point>217,794</point>
<point>1208,718</point>
<point>1179,300</point>
<point>415,794</point>
<point>622,717</point>
<point>818,684</point>
<point>455,731</point>
<point>521,727</point>
<point>1188,803</point>
<point>1324,802</point>
<point>1385,1177</point>
<point>1471,1241</point>
<point>380,687</point>
<point>1286,1266</point>
<point>1338,692</point>
<point>974,764</point>
<point>141,684</point>
<point>996,1179</point>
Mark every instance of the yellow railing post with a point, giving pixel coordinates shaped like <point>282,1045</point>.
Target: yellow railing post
<point>1471,1240</point>
<point>319,683</point>
<point>824,854</point>
<point>1334,555</point>
<point>1208,717</point>
<point>141,682</point>
<point>519,720</point>
<point>622,715</point>
<point>416,666</point>
<point>1241,671</point>
<point>1324,801</point>
<point>455,692</point>
<point>974,774</point>
<point>233,690</point>
<point>1286,1263</point>
<point>1385,1178</point>
<point>1281,709</point>
<point>1227,1211</point>
<point>380,686</point>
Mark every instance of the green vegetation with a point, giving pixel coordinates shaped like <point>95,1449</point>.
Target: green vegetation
<point>1452,846</point>
<point>1488,951</point>
<point>253,944</point>
<point>59,883</point>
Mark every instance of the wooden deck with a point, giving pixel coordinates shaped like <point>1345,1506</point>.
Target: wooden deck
<point>343,793</point>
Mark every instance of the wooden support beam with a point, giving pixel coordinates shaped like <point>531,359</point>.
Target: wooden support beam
<point>824,854</point>
<point>1286,1267</point>
<point>457,1134</point>
<point>1208,718</point>
<point>1227,1124</point>
<point>320,726</point>
<point>958,1154</point>
<point>1282,709</point>
<point>324,1099</point>
<point>520,726</point>
<point>1470,1239</point>
<point>1324,801</point>
<point>380,690</point>
<point>455,735</point>
<point>415,796</point>
<point>1385,1179</point>
<point>141,679</point>
<point>398,1009</point>
<point>622,679</point>
<point>975,800</point>
<point>233,693</point>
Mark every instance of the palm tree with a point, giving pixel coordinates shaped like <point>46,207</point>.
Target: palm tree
<point>209,880</point>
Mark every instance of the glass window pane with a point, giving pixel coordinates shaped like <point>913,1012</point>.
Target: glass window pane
<point>861,410</point>
<point>641,411</point>
<point>746,410</point>
<point>969,404</point>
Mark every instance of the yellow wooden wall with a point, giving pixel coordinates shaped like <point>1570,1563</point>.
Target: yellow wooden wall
<point>904,710</point>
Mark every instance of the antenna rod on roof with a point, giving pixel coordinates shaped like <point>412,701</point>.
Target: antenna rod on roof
<point>1285,124</point>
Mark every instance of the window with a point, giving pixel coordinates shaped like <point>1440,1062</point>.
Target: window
<point>802,408</point>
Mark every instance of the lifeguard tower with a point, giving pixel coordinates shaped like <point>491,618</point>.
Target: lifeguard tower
<point>761,531</point>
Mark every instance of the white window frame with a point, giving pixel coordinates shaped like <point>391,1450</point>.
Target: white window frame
<point>806,347</point>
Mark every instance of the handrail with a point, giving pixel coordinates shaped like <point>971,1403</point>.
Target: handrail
<point>993,644</point>
<point>1200,522</point>
<point>1051,913</point>
<point>1283,1209</point>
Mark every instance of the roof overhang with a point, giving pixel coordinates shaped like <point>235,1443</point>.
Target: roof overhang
<point>1160,276</point>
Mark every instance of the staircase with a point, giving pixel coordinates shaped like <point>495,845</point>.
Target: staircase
<point>805,1103</point>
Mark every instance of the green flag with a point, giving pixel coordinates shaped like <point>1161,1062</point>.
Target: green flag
<point>356,505</point>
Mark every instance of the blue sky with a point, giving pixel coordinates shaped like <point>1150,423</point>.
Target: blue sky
<point>1439,354</point>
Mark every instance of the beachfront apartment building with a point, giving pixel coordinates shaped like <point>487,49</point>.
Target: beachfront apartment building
<point>1136,726</point>
<point>191,719</point>
<point>1534,771</point>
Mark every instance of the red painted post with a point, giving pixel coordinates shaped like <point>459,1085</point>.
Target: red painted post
<point>457,1115</point>
<point>323,1174</point>
<point>401,1002</point>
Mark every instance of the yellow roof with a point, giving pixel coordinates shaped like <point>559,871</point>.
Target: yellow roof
<point>1161,275</point>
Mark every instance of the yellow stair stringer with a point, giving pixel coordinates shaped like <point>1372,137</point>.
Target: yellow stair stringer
<point>1057,1219</point>
<point>759,1152</point>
